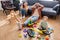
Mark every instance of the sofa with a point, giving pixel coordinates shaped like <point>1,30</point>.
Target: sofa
<point>48,9</point>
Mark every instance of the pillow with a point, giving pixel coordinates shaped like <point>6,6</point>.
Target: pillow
<point>56,7</point>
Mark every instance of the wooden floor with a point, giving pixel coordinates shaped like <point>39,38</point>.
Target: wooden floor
<point>9,31</point>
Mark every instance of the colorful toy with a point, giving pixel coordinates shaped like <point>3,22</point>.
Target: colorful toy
<point>47,37</point>
<point>19,35</point>
<point>51,29</point>
<point>25,35</point>
<point>30,23</point>
<point>30,33</point>
<point>42,38</point>
<point>25,30</point>
<point>38,37</point>
<point>35,25</point>
<point>37,30</point>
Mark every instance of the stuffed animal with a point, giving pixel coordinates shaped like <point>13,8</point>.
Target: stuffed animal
<point>30,23</point>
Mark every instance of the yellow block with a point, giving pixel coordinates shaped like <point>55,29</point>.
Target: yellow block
<point>19,35</point>
<point>37,30</point>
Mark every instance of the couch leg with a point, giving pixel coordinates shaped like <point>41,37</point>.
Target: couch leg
<point>54,17</point>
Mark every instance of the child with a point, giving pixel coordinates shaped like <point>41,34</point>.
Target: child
<point>35,16</point>
<point>19,23</point>
<point>13,16</point>
<point>24,8</point>
<point>44,23</point>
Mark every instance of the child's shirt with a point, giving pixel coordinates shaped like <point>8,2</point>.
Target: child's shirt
<point>44,24</point>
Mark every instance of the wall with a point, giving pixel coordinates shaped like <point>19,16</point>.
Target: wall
<point>46,0</point>
<point>0,6</point>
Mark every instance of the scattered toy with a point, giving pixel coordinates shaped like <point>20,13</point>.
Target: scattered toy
<point>19,35</point>
<point>30,33</point>
<point>51,29</point>
<point>37,30</point>
<point>35,25</point>
<point>25,35</point>
<point>38,37</point>
<point>30,23</point>
<point>42,38</point>
<point>25,30</point>
<point>47,37</point>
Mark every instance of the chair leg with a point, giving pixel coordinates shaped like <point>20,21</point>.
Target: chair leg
<point>3,11</point>
<point>7,12</point>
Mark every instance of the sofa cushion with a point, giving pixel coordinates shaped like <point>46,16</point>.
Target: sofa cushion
<point>31,2</point>
<point>50,4</point>
<point>49,11</point>
<point>56,7</point>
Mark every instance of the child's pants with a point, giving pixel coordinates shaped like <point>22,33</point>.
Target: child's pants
<point>33,18</point>
<point>23,12</point>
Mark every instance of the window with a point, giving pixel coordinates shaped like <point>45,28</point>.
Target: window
<point>20,1</point>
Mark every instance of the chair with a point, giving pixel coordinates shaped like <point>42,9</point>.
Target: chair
<point>3,5</point>
<point>6,4</point>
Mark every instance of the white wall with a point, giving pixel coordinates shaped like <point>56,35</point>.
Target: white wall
<point>46,0</point>
<point>0,6</point>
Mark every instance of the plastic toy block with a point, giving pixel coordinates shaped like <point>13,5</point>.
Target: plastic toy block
<point>25,35</point>
<point>25,30</point>
<point>47,37</point>
<point>19,35</point>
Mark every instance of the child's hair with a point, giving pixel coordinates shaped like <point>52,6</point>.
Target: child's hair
<point>12,11</point>
<point>24,5</point>
<point>45,17</point>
